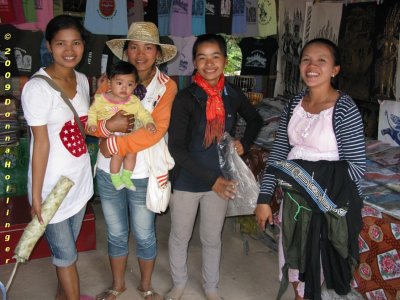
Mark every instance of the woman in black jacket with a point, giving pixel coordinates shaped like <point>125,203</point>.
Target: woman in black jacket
<point>200,115</point>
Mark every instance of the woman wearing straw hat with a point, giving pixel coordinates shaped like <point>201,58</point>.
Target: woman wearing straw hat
<point>141,48</point>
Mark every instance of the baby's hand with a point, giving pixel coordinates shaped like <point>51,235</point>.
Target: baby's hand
<point>92,128</point>
<point>151,127</point>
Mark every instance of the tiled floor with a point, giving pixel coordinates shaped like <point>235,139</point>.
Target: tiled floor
<point>247,273</point>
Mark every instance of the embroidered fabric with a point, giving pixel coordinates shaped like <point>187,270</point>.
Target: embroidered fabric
<point>140,91</point>
<point>318,195</point>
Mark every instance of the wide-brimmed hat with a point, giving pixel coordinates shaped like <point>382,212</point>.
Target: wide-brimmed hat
<point>146,32</point>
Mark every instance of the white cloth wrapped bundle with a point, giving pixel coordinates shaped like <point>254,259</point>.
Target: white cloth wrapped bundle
<point>35,230</point>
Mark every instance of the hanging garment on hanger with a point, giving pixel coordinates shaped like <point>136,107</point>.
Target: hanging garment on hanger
<point>101,18</point>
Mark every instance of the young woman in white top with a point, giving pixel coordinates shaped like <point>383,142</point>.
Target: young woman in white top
<point>58,148</point>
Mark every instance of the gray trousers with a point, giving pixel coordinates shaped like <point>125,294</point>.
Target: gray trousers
<point>184,206</point>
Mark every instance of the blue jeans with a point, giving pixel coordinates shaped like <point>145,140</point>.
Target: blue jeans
<point>61,238</point>
<point>124,207</point>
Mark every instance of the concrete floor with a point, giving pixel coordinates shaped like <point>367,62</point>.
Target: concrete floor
<point>249,269</point>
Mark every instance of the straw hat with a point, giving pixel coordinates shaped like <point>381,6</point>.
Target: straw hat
<point>146,32</point>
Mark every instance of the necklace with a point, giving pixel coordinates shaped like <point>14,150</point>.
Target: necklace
<point>70,77</point>
<point>66,79</point>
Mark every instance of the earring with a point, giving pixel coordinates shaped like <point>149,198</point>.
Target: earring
<point>333,75</point>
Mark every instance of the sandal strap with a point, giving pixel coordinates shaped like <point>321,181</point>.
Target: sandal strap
<point>150,293</point>
<point>109,292</point>
<point>147,293</point>
<point>114,292</point>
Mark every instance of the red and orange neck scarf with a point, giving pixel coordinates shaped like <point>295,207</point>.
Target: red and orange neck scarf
<point>215,111</point>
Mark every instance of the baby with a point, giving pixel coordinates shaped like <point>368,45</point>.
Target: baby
<point>122,80</point>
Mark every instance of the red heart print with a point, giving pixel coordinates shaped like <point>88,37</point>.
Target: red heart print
<point>72,138</point>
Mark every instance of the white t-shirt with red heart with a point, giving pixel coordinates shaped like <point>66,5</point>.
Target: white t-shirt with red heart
<point>68,154</point>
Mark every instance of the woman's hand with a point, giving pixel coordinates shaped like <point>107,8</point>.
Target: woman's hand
<point>238,147</point>
<point>36,210</point>
<point>263,215</point>
<point>121,122</point>
<point>226,189</point>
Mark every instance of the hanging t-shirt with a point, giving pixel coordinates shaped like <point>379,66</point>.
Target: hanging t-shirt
<point>7,49</point>
<point>19,12</point>
<point>75,6</point>
<point>108,57</point>
<point>181,18</point>
<point>257,55</point>
<point>29,11</point>
<point>186,67</point>
<point>90,64</point>
<point>226,16</point>
<point>213,21</point>
<point>173,64</point>
<point>135,11</point>
<point>251,18</point>
<point>44,13</point>
<point>150,11</point>
<point>106,17</point>
<point>58,7</point>
<point>163,9</point>
<point>165,40</point>
<point>266,18</point>
<point>7,14</point>
<point>239,17</point>
<point>182,64</point>
<point>199,17</point>
<point>27,51</point>
<point>46,59</point>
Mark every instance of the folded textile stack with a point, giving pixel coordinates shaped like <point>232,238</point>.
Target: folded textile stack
<point>384,154</point>
<point>381,182</point>
<point>270,110</point>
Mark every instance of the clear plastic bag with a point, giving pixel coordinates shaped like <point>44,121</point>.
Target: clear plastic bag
<point>233,167</point>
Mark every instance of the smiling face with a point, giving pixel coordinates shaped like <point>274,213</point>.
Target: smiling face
<point>142,55</point>
<point>122,86</point>
<point>317,65</point>
<point>210,61</point>
<point>67,47</point>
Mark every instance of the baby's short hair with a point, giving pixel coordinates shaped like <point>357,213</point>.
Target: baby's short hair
<point>123,68</point>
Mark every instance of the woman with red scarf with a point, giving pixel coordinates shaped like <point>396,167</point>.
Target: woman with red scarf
<point>201,113</point>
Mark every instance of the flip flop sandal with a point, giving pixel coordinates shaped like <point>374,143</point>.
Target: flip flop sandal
<point>152,293</point>
<point>104,295</point>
